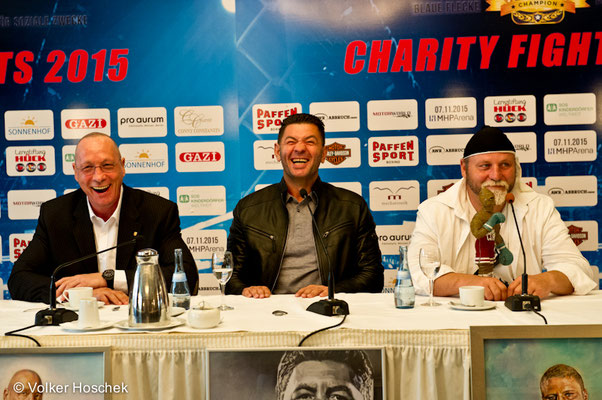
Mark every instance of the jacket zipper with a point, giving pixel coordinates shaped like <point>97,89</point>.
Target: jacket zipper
<point>336,228</point>
<point>269,236</point>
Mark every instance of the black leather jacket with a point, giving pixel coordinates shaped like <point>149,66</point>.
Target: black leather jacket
<point>258,236</point>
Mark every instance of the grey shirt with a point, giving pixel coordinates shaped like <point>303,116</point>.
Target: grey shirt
<point>300,261</point>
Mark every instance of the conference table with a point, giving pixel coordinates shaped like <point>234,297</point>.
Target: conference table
<point>427,349</point>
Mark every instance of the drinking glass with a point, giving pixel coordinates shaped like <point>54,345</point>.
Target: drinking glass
<point>221,265</point>
<point>430,264</point>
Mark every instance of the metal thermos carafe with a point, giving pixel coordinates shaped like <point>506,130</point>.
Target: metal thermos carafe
<point>148,297</point>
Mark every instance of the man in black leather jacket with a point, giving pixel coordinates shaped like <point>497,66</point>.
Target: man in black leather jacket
<point>274,255</point>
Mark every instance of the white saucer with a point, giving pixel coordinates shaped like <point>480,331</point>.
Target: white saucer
<point>101,304</point>
<point>175,311</point>
<point>487,305</point>
<point>172,324</point>
<point>72,326</point>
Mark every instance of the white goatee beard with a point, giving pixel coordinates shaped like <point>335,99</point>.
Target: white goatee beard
<point>500,196</point>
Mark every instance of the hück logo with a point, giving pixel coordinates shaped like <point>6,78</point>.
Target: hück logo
<point>30,161</point>
<point>510,111</point>
<point>267,118</point>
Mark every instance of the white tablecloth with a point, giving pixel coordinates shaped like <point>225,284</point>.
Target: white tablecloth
<point>426,349</point>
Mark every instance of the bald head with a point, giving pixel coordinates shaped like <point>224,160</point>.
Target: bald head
<point>23,385</point>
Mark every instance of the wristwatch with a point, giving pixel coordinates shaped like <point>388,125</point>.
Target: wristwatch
<point>109,276</point>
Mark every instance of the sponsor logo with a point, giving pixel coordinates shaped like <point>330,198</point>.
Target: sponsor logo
<point>25,204</point>
<point>453,112</point>
<point>394,195</point>
<point>142,122</point>
<point>30,161</point>
<point>525,144</point>
<point>68,159</point>
<point>202,200</point>
<point>535,12</point>
<point>199,121</point>
<point>158,191</point>
<point>342,153</point>
<point>76,123</point>
<point>263,155</point>
<point>393,151</point>
<point>341,116</point>
<point>572,191</point>
<point>567,146</point>
<point>199,157</point>
<point>336,153</point>
<point>392,115</point>
<point>29,125</point>
<point>390,237</point>
<point>445,149</point>
<point>435,187</point>
<point>577,234</point>
<point>570,109</point>
<point>144,158</point>
<point>18,243</point>
<point>202,243</point>
<point>86,123</point>
<point>267,118</point>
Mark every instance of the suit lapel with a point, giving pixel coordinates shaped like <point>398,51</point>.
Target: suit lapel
<point>129,224</point>
<point>84,233</point>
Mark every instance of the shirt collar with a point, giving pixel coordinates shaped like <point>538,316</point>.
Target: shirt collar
<point>113,217</point>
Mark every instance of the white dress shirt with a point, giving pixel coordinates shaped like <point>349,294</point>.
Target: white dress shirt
<point>105,236</point>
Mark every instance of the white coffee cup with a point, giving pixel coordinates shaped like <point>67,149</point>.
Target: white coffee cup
<point>203,318</point>
<point>88,313</point>
<point>472,296</point>
<point>75,294</point>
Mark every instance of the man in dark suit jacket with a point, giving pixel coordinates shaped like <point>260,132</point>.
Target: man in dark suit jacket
<point>66,231</point>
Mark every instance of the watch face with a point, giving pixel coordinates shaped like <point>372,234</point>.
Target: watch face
<point>108,274</point>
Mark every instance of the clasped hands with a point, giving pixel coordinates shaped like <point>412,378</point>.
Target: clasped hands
<point>541,285</point>
<point>260,292</point>
<point>96,282</point>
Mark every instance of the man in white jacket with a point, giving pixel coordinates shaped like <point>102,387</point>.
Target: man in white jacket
<point>554,263</point>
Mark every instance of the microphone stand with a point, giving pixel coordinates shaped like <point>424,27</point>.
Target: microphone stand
<point>56,316</point>
<point>523,301</point>
<point>331,306</point>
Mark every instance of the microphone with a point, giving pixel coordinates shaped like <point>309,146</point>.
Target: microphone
<point>523,301</point>
<point>54,316</point>
<point>331,306</point>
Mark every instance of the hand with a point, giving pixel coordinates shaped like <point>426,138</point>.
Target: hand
<point>448,285</point>
<point>505,256</point>
<point>93,280</point>
<point>543,284</point>
<point>312,291</point>
<point>257,292</point>
<point>110,296</point>
<point>495,219</point>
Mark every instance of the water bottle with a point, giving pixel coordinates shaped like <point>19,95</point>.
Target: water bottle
<point>179,284</point>
<point>404,289</point>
